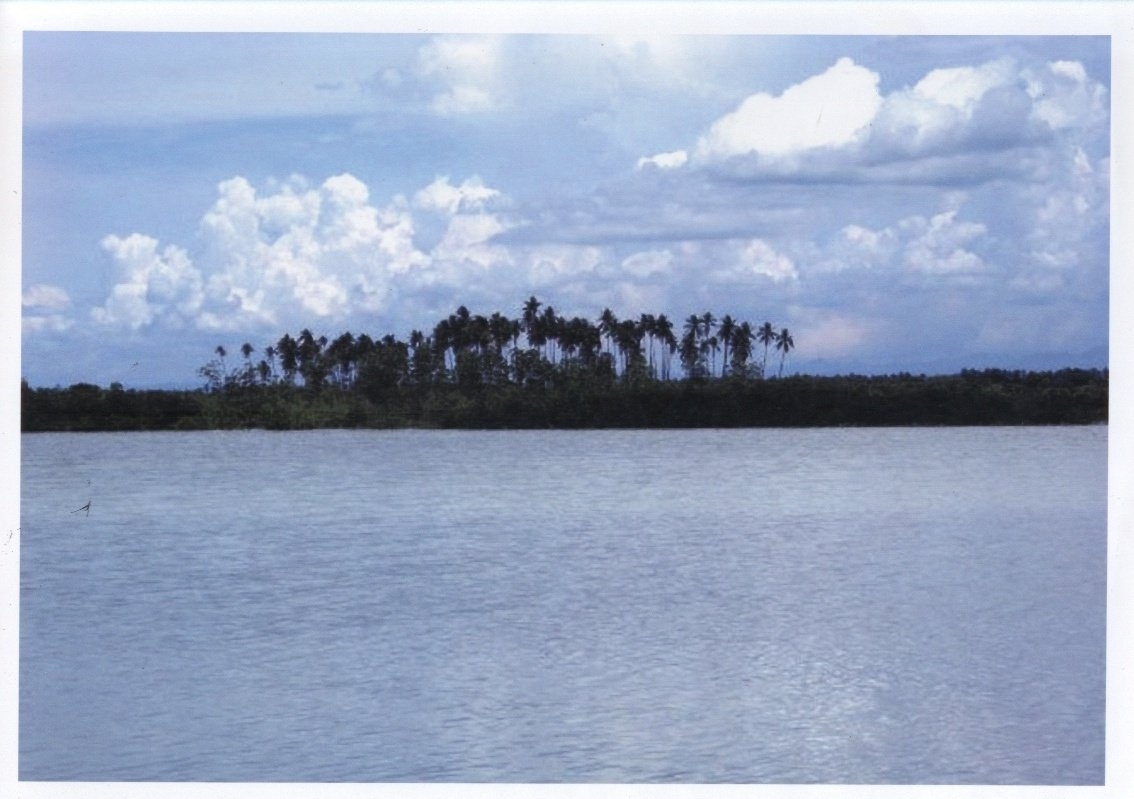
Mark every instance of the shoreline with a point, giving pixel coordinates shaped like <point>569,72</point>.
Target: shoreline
<point>970,398</point>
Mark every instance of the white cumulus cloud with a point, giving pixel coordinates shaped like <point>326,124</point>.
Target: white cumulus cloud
<point>939,108</point>
<point>828,333</point>
<point>465,69</point>
<point>962,123</point>
<point>295,254</point>
<point>938,245</point>
<point>443,197</point>
<point>43,306</point>
<point>153,283</point>
<point>830,110</point>
<point>647,264</point>
<point>759,258</point>
<point>45,297</point>
<point>1065,97</point>
<point>673,160</point>
<point>963,87</point>
<point>303,256</point>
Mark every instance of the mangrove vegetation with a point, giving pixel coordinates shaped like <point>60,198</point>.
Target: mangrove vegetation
<point>542,370</point>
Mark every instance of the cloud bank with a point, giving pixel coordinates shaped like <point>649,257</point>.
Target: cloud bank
<point>963,213</point>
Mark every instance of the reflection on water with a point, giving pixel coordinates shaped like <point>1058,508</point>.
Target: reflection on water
<point>921,606</point>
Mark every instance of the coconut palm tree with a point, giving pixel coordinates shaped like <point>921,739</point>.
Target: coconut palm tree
<point>288,348</point>
<point>500,331</point>
<point>515,327</point>
<point>589,340</point>
<point>529,318</point>
<point>692,354</point>
<point>342,355</point>
<point>628,338</point>
<point>311,364</point>
<point>421,357</point>
<point>608,324</point>
<point>784,343</point>
<point>247,376</point>
<point>708,340</point>
<point>647,324</point>
<point>550,324</point>
<point>742,338</point>
<point>725,332</point>
<point>707,323</point>
<point>766,335</point>
<point>270,355</point>
<point>442,333</point>
<point>663,329</point>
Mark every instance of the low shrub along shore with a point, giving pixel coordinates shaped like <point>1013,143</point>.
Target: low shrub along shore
<point>575,400</point>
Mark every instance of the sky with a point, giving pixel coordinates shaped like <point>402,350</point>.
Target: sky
<point>899,203</point>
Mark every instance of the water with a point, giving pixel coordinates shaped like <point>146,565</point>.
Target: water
<point>857,606</point>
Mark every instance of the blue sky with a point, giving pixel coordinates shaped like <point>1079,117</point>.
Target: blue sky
<point>900,203</point>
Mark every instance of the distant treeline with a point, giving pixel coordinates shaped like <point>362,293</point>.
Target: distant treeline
<point>540,348</point>
<point>543,370</point>
<point>578,399</point>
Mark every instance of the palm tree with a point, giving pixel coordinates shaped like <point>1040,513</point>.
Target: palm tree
<point>784,343</point>
<point>608,323</point>
<point>247,375</point>
<point>588,339</point>
<point>221,353</point>
<point>628,338</point>
<point>726,331</point>
<point>288,348</point>
<point>663,329</point>
<point>648,324</point>
<point>442,333</point>
<point>529,318</point>
<point>765,335</point>
<point>692,355</point>
<point>363,348</point>
<point>420,358</point>
<point>571,338</point>
<point>311,364</point>
<point>710,346</point>
<point>742,339</point>
<point>708,342</point>
<point>707,322</point>
<point>550,324</point>
<point>270,353</point>
<point>460,324</point>
<point>500,330</point>
<point>342,354</point>
<point>515,328</point>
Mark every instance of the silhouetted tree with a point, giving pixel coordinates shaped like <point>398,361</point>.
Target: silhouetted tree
<point>725,332</point>
<point>766,335</point>
<point>288,349</point>
<point>663,329</point>
<point>742,339</point>
<point>784,343</point>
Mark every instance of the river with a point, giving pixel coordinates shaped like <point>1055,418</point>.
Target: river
<point>753,606</point>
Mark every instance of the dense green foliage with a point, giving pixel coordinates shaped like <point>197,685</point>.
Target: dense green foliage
<point>545,371</point>
<point>1069,396</point>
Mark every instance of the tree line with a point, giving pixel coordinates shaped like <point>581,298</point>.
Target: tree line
<point>988,397</point>
<point>538,348</point>
<point>542,370</point>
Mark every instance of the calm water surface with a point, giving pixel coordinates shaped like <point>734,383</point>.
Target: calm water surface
<point>861,606</point>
